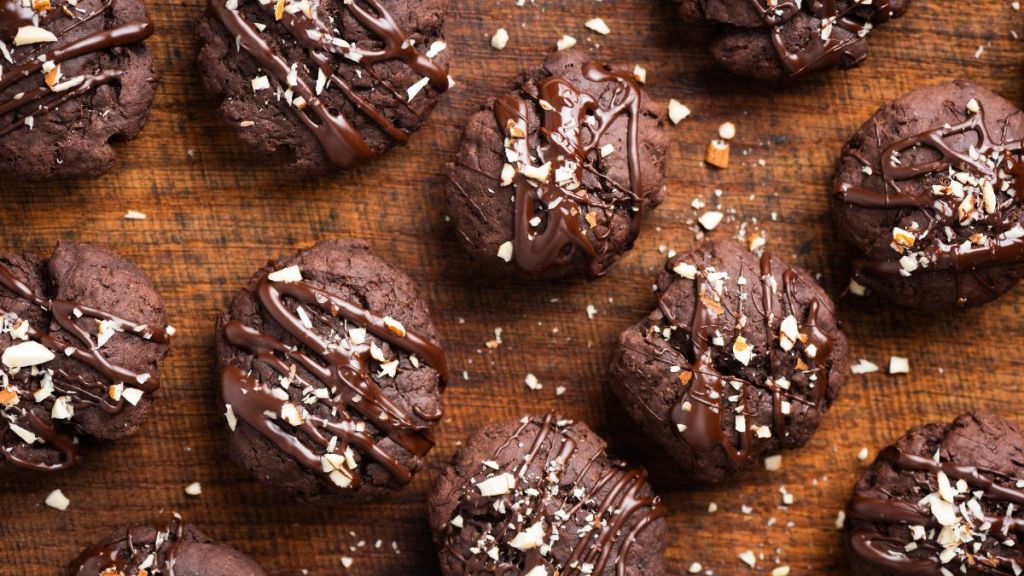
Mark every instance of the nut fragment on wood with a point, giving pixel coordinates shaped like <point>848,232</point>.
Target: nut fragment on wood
<point>717,154</point>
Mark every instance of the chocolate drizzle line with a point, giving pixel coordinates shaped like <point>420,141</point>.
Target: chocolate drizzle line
<point>341,141</point>
<point>607,542</point>
<point>344,370</point>
<point>888,552</point>
<point>1004,173</point>
<point>80,391</point>
<point>574,123</point>
<point>699,416</point>
<point>12,16</point>
<point>820,54</point>
<point>130,557</point>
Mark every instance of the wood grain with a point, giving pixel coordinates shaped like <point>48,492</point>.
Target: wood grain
<point>216,213</point>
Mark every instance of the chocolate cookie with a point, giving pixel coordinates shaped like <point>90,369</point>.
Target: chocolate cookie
<point>179,549</point>
<point>773,40</point>
<point>945,499</point>
<point>82,338</point>
<point>927,190</point>
<point>741,358</point>
<point>76,76</point>
<point>553,179</point>
<point>334,83</point>
<point>539,497</point>
<point>331,374</point>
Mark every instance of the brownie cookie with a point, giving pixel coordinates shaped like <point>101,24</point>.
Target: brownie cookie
<point>177,550</point>
<point>333,83</point>
<point>331,374</point>
<point>82,338</point>
<point>76,76</point>
<point>539,497</point>
<point>945,499</point>
<point>553,179</point>
<point>789,38</point>
<point>741,358</point>
<point>927,190</point>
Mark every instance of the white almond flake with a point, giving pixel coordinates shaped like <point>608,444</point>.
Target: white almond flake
<point>26,354</point>
<point>677,111</point>
<point>640,74</point>
<point>33,35</point>
<point>710,220</point>
<point>436,48</point>
<point>346,562</point>
<point>260,83</point>
<point>500,39</point>
<point>565,42</point>
<point>598,25</point>
<point>63,409</point>
<point>458,521</point>
<point>533,383</point>
<point>194,489</point>
<point>505,251</point>
<point>132,395</point>
<point>748,558</point>
<point>773,463</point>
<point>26,436</point>
<point>789,333</point>
<point>497,485</point>
<point>417,87</point>
<point>538,571</point>
<point>944,512</point>
<point>727,131</point>
<point>857,289</point>
<point>686,270</point>
<point>899,365</point>
<point>863,454</point>
<point>864,367</point>
<point>539,173</point>
<point>134,215</point>
<point>58,501</point>
<point>356,336</point>
<point>781,570</point>
<point>529,538</point>
<point>286,275</point>
<point>742,350</point>
<point>229,414</point>
<point>290,414</point>
<point>695,568</point>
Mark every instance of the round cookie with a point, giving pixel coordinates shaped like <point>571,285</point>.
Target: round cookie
<point>179,549</point>
<point>539,497</point>
<point>794,38</point>
<point>331,374</point>
<point>553,179</point>
<point>944,499</point>
<point>926,191</point>
<point>76,76</point>
<point>82,339</point>
<point>332,83</point>
<point>740,359</point>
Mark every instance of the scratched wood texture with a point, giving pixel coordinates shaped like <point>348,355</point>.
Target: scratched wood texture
<point>216,213</point>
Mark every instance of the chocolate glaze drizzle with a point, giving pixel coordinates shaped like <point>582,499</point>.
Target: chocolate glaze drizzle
<point>574,123</point>
<point>354,407</point>
<point>889,552</point>
<point>823,51</point>
<point>700,416</point>
<point>994,160</point>
<point>48,96</point>
<point>128,557</point>
<point>609,542</point>
<point>80,391</point>
<point>341,141</point>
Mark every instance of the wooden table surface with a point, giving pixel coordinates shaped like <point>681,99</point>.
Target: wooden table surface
<point>216,213</point>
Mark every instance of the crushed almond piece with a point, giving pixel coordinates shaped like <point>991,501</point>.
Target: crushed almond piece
<point>717,154</point>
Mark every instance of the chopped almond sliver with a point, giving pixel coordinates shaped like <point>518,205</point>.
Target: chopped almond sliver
<point>591,218</point>
<point>52,76</point>
<point>717,154</point>
<point>279,10</point>
<point>685,377</point>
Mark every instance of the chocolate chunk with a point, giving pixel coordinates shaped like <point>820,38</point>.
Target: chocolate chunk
<point>330,374</point>
<point>540,496</point>
<point>553,179</point>
<point>740,359</point>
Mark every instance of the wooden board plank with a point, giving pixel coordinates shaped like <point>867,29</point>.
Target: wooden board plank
<point>216,213</point>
